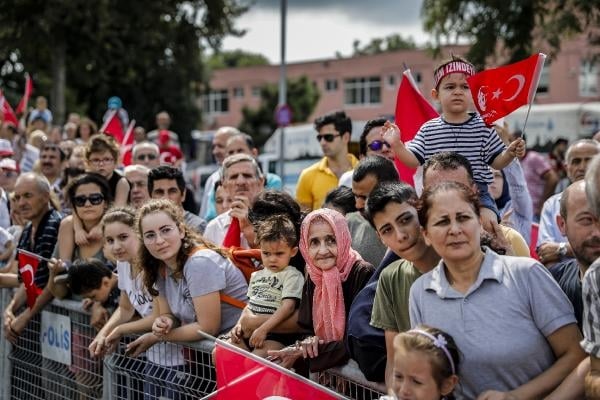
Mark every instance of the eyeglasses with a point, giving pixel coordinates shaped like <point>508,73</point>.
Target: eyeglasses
<point>94,198</point>
<point>164,232</point>
<point>377,145</point>
<point>98,161</point>
<point>142,157</point>
<point>328,137</point>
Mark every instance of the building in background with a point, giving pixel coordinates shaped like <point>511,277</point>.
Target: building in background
<point>366,86</point>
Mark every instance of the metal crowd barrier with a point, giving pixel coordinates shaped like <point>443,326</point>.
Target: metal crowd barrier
<point>51,361</point>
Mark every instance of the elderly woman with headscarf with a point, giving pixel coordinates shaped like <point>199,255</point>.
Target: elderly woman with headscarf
<point>337,273</point>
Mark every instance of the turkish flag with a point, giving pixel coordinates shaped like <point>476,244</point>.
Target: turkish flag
<point>241,375</point>
<point>499,91</point>
<point>28,264</point>
<point>26,95</point>
<point>7,110</point>
<point>412,111</point>
<point>113,127</point>
<point>232,237</point>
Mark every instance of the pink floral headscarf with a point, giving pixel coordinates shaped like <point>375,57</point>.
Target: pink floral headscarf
<point>329,312</point>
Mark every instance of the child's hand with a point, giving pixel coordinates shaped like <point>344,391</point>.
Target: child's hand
<point>391,134</point>
<point>97,347</point>
<point>99,316</point>
<point>488,218</point>
<point>258,338</point>
<point>236,333</point>
<point>517,148</point>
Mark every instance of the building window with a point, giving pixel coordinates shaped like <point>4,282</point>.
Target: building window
<point>359,91</point>
<point>255,91</point>
<point>391,81</point>
<point>588,79</point>
<point>216,102</point>
<point>544,85</point>
<point>331,85</point>
<point>238,92</point>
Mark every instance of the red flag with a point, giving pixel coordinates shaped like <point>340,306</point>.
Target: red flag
<point>26,95</point>
<point>241,377</point>
<point>232,237</point>
<point>7,110</point>
<point>112,126</point>
<point>28,264</point>
<point>412,111</point>
<point>499,91</point>
<point>128,144</point>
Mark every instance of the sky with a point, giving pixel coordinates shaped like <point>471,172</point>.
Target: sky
<point>317,29</point>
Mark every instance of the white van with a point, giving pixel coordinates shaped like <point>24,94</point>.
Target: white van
<point>548,122</point>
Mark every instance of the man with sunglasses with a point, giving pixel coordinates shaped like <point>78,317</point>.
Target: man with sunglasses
<point>334,132</point>
<point>146,154</point>
<point>370,143</point>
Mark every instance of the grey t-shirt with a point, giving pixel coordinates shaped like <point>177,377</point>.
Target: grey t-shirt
<point>500,325</point>
<point>204,272</point>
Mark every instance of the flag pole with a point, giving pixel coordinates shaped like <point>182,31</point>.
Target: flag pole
<point>538,74</point>
<point>265,362</point>
<point>33,255</point>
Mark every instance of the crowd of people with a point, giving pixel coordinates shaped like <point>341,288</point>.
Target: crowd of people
<point>478,284</point>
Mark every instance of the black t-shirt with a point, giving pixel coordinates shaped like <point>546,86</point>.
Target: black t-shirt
<point>566,274</point>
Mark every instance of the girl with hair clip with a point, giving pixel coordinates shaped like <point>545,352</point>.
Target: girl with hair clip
<point>426,364</point>
<point>192,281</point>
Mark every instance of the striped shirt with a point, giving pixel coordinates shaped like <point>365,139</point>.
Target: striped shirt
<point>45,241</point>
<point>478,143</point>
<point>591,310</point>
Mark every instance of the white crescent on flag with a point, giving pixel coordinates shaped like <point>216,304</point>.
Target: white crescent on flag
<point>521,80</point>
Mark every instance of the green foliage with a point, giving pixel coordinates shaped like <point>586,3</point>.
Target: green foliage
<point>302,97</point>
<point>235,58</point>
<point>146,52</point>
<point>379,45</point>
<point>515,24</point>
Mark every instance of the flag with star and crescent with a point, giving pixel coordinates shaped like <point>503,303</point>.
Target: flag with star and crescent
<point>499,91</point>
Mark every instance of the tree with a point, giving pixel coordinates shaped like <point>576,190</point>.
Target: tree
<point>82,52</point>
<point>514,24</point>
<point>379,45</point>
<point>302,97</point>
<point>235,58</point>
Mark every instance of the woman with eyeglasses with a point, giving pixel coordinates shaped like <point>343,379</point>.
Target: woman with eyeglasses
<point>192,280</point>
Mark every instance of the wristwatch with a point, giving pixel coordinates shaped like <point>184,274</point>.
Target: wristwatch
<point>562,249</point>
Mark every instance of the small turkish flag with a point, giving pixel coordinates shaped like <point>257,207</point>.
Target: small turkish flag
<point>113,127</point>
<point>7,110</point>
<point>21,108</point>
<point>499,91</point>
<point>241,375</point>
<point>412,111</point>
<point>232,237</point>
<point>127,145</point>
<point>28,264</point>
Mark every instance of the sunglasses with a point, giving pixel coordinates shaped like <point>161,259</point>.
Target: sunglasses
<point>328,137</point>
<point>377,145</point>
<point>94,198</point>
<point>146,156</point>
